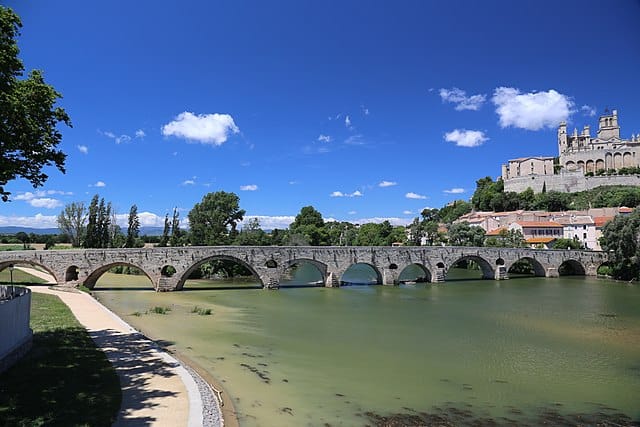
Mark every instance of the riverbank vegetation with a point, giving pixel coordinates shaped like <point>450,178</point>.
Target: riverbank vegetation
<point>64,380</point>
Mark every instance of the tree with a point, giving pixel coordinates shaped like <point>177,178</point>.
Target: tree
<point>252,235</point>
<point>621,238</point>
<point>24,238</point>
<point>463,234</point>
<point>507,239</point>
<point>72,222</point>
<point>563,243</point>
<point>28,117</point>
<point>92,238</point>
<point>213,221</point>
<point>176,232</point>
<point>165,232</point>
<point>134,227</point>
<point>308,228</point>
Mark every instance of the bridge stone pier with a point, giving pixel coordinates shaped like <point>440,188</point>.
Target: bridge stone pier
<point>270,263</point>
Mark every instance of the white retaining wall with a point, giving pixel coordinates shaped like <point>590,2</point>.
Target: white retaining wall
<point>15,333</point>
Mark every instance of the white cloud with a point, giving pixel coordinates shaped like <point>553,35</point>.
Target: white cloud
<point>365,110</point>
<point>466,138</point>
<point>415,196</point>
<point>45,202</point>
<point>83,149</point>
<point>147,219</point>
<point>189,182</point>
<point>347,121</point>
<point>533,110</point>
<point>123,139</point>
<point>270,222</point>
<point>352,212</point>
<point>324,138</point>
<point>407,212</point>
<point>36,221</point>
<point>455,191</point>
<point>387,184</point>
<point>354,140</point>
<point>98,184</point>
<point>393,220</point>
<point>250,187</point>
<point>140,133</point>
<point>205,128</point>
<point>588,110</point>
<point>341,194</point>
<point>109,135</point>
<point>460,98</point>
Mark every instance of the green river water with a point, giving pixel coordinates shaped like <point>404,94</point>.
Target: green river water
<point>525,350</point>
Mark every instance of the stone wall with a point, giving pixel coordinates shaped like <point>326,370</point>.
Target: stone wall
<point>15,333</point>
<point>567,182</point>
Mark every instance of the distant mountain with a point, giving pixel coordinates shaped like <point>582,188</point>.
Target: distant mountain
<point>144,231</point>
<point>28,230</point>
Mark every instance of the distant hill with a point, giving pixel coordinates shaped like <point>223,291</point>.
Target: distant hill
<point>144,231</point>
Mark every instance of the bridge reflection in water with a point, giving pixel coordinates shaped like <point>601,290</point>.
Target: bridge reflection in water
<point>169,268</point>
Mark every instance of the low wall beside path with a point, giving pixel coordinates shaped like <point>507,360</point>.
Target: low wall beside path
<point>15,333</point>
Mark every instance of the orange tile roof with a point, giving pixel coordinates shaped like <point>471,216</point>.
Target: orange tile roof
<point>602,220</point>
<point>496,232</point>
<point>540,224</point>
<point>624,209</point>
<point>540,240</point>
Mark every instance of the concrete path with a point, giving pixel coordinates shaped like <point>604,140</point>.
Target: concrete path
<point>156,389</point>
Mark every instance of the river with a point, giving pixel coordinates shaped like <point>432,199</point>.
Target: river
<point>524,350</point>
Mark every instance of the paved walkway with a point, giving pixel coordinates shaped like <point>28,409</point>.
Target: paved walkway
<point>156,389</point>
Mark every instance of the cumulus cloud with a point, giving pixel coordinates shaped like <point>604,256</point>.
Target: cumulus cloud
<point>415,196</point>
<point>387,184</point>
<point>147,219</point>
<point>392,220</point>
<point>533,110</point>
<point>461,100</point>
<point>407,212</point>
<point>188,182</point>
<point>365,110</point>
<point>205,128</point>
<point>347,121</point>
<point>83,149</point>
<point>98,184</point>
<point>588,110</point>
<point>270,222</point>
<point>324,138</point>
<point>140,133</point>
<point>341,194</point>
<point>250,187</point>
<point>36,221</point>
<point>466,138</point>
<point>39,199</point>
<point>455,191</point>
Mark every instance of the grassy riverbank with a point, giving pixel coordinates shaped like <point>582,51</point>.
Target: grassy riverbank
<point>64,380</point>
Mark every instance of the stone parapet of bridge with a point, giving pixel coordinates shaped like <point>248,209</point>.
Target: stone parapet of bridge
<point>270,263</point>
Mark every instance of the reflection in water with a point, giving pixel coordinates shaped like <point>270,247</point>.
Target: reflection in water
<point>527,350</point>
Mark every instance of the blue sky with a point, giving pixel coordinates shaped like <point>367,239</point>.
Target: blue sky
<point>367,110</point>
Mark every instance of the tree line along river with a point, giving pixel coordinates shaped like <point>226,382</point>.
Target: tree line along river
<point>525,351</point>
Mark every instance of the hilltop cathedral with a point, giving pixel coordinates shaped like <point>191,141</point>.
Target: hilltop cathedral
<point>584,162</point>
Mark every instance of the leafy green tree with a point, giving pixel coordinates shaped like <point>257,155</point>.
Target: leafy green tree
<point>177,235</point>
<point>486,190</point>
<point>463,234</point>
<point>340,233</point>
<point>621,239</point>
<point>72,222</point>
<point>278,237</point>
<point>308,228</point>
<point>507,239</point>
<point>252,235</point>
<point>92,237</point>
<point>567,244</point>
<point>213,221</point>
<point>454,210</point>
<point>24,238</point>
<point>165,232</point>
<point>134,228</point>
<point>28,116</point>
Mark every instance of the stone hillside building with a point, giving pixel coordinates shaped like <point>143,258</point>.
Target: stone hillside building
<point>579,154</point>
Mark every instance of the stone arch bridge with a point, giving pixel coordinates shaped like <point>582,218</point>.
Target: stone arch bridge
<point>270,263</point>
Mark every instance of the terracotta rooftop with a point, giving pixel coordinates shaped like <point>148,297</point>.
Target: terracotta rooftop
<point>496,232</point>
<point>602,220</point>
<point>624,209</point>
<point>541,240</point>
<point>540,224</point>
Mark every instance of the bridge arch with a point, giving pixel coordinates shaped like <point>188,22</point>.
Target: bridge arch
<point>572,267</point>
<point>488,272</point>
<point>184,276</point>
<point>424,277</point>
<point>92,278</point>
<point>538,269</point>
<point>350,270</point>
<point>18,262</point>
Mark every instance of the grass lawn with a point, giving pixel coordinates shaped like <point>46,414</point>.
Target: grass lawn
<point>19,276</point>
<point>64,380</point>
